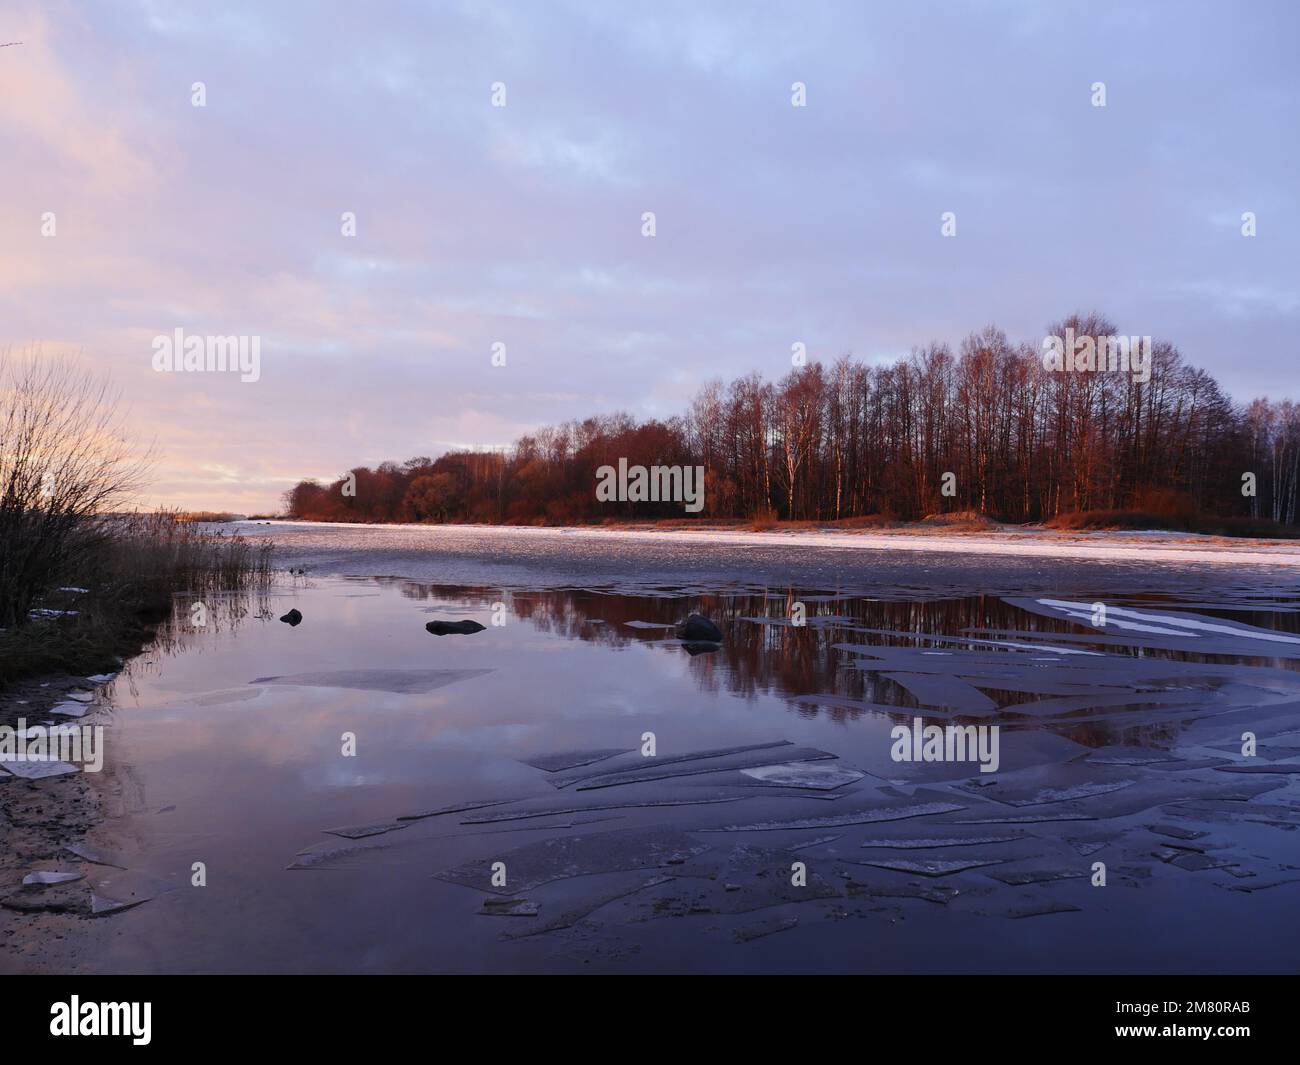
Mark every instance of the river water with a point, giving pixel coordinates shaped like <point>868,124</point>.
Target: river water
<point>612,802</point>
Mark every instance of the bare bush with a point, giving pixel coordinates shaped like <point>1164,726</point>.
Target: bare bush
<point>65,461</point>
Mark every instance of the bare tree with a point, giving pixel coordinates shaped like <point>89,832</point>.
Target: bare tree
<point>65,461</point>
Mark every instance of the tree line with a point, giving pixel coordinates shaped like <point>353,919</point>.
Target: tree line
<point>985,428</point>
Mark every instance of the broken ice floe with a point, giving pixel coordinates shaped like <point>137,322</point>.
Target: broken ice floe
<point>320,854</point>
<point>748,933</point>
<point>1037,876</point>
<point>1176,832</point>
<point>508,908</point>
<point>745,878</point>
<point>1037,792</point>
<point>866,816</point>
<point>375,828</point>
<point>930,866</point>
<point>453,808</point>
<point>98,855</point>
<point>656,771</point>
<point>397,681</point>
<point>1025,819</point>
<point>631,763</point>
<point>39,770</point>
<point>70,709</point>
<point>804,775</point>
<point>101,906</point>
<point>924,843</point>
<point>551,809</point>
<point>938,894</point>
<point>42,876</point>
<point>539,863</point>
<point>1266,767</point>
<point>1042,909</point>
<point>582,910</point>
<point>1184,627</point>
<point>553,763</point>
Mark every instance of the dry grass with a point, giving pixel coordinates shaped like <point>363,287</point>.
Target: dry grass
<point>1119,520</point>
<point>130,567</point>
<point>206,515</point>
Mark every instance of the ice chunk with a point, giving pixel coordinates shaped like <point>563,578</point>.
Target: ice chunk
<point>751,878</point>
<point>1037,876</point>
<point>70,709</point>
<point>759,929</point>
<point>1271,767</point>
<point>866,816</point>
<point>951,692</point>
<point>1176,832</point>
<point>583,909</point>
<point>1050,784</point>
<point>530,866</point>
<point>508,908</point>
<point>932,843</point>
<point>939,895</point>
<point>1025,819</point>
<point>553,810</point>
<point>655,770</point>
<point>398,681</point>
<point>805,775</point>
<point>101,906</point>
<point>43,877</point>
<point>39,770</point>
<point>375,828</point>
<point>98,855</point>
<point>322,853</point>
<point>630,764</point>
<point>553,763</point>
<point>454,808</point>
<point>931,866</point>
<point>1042,909</point>
<point>1196,862</point>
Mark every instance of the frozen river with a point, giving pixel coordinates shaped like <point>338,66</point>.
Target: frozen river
<point>365,796</point>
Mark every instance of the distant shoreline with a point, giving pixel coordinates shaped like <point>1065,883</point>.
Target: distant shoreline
<point>1036,541</point>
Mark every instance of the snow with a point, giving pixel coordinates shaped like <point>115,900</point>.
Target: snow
<point>1140,546</point>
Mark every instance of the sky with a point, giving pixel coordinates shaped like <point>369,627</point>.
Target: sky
<point>127,212</point>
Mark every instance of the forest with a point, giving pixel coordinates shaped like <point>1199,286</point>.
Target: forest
<point>845,440</point>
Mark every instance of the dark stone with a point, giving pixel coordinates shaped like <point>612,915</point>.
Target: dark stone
<point>698,628</point>
<point>294,617</point>
<point>454,628</point>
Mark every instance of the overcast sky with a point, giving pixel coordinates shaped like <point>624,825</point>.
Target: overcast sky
<point>522,224</point>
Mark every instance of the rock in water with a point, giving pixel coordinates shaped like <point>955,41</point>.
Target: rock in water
<point>698,628</point>
<point>454,628</point>
<point>294,617</point>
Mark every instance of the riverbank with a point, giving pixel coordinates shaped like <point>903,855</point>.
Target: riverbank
<point>999,540</point>
<point>117,586</point>
<point>57,669</point>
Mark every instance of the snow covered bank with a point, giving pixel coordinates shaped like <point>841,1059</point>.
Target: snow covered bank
<point>1041,543</point>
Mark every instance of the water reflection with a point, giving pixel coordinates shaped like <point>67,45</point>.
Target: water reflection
<point>827,665</point>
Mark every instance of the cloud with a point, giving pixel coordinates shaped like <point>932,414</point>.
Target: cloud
<point>521,225</point>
